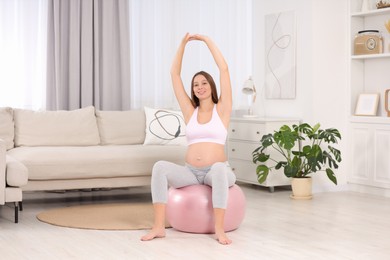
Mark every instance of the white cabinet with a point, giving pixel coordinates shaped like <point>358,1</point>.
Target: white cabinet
<point>244,137</point>
<point>370,153</point>
<point>369,136</point>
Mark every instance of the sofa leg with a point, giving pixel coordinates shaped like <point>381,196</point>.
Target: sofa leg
<point>16,212</point>
<point>20,206</point>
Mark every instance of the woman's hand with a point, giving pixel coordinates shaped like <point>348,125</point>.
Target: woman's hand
<point>225,101</point>
<point>198,37</point>
<point>186,38</point>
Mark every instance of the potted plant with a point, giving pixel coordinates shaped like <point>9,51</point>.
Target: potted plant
<point>300,151</point>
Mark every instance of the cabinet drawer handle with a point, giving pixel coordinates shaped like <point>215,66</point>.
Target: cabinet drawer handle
<point>233,150</point>
<point>233,130</point>
<point>258,132</point>
<point>233,169</point>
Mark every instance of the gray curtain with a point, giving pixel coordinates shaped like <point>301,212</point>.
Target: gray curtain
<point>88,54</point>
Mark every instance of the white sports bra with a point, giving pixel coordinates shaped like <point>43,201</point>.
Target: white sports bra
<point>213,131</point>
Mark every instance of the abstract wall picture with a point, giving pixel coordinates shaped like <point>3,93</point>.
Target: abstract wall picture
<point>280,63</point>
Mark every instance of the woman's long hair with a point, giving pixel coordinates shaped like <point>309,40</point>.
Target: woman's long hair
<point>210,80</point>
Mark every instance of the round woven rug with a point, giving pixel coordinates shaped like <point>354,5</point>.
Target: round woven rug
<point>118,216</point>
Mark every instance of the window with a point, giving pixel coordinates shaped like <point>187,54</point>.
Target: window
<point>23,53</point>
<point>156,29</point>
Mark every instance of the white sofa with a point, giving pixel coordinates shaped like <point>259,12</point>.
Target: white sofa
<point>79,149</point>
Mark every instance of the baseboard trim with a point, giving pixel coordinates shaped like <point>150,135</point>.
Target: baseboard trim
<point>369,190</point>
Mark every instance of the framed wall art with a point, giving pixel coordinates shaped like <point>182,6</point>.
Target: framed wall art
<point>280,62</point>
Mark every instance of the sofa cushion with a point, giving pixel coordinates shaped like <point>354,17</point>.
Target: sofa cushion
<point>7,126</point>
<point>121,127</point>
<point>164,126</point>
<point>41,128</point>
<point>16,172</point>
<point>83,162</point>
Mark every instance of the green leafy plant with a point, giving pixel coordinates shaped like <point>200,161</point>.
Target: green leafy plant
<point>301,150</point>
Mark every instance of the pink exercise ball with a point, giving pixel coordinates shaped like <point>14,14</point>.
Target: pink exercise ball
<point>190,209</point>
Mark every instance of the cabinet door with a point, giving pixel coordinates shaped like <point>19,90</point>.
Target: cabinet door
<point>370,149</point>
<point>381,176</point>
<point>361,154</point>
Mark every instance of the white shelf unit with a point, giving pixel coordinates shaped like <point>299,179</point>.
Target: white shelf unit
<point>369,73</point>
<point>371,56</point>
<point>369,135</point>
<point>244,137</point>
<point>356,7</point>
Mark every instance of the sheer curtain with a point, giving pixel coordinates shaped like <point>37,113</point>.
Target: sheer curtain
<point>88,61</point>
<point>156,29</point>
<point>23,53</point>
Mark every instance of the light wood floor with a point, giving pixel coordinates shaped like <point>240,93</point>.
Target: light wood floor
<point>337,225</point>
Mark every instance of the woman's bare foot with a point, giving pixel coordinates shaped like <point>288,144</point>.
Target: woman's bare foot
<point>222,238</point>
<point>154,233</point>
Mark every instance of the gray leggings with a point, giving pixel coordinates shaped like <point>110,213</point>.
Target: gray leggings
<point>219,176</point>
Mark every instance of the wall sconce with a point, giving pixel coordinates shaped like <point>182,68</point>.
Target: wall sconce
<point>250,90</point>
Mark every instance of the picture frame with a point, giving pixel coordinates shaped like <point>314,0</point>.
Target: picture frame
<point>367,104</point>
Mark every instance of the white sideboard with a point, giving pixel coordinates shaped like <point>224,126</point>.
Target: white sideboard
<point>244,137</point>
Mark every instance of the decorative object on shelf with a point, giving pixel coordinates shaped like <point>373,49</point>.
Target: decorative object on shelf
<point>387,108</point>
<point>367,104</point>
<point>250,90</point>
<point>382,4</point>
<point>298,161</point>
<point>368,42</point>
<point>387,25</point>
<point>387,38</point>
<point>365,6</point>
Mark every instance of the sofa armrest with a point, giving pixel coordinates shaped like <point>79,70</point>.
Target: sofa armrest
<point>16,173</point>
<point>2,171</point>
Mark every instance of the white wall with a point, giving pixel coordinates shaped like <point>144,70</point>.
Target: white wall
<point>322,71</point>
<point>157,28</point>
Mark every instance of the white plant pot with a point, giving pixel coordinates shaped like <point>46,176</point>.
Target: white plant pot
<point>301,188</point>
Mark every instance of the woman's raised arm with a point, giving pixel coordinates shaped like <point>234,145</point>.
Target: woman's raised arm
<point>225,99</point>
<point>178,87</point>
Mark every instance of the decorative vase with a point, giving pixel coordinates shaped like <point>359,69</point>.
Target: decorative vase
<point>301,188</point>
<point>387,108</point>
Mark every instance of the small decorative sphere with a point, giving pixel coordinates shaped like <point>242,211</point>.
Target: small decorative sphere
<point>190,209</point>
